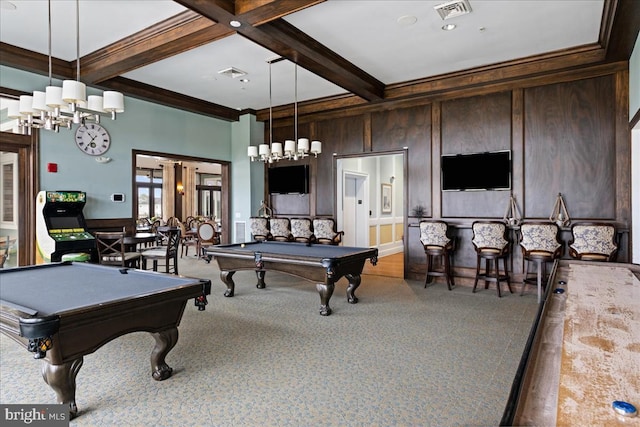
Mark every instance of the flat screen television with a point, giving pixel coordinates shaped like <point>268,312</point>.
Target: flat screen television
<point>289,179</point>
<point>476,171</point>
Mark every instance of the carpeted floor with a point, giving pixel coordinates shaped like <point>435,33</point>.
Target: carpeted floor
<point>402,356</point>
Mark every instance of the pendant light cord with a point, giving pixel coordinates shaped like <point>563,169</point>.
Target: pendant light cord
<point>78,39</point>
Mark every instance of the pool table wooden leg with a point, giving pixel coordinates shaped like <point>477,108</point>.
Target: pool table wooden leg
<point>227,279</point>
<point>62,379</point>
<point>325,290</point>
<point>165,341</point>
<point>354,282</point>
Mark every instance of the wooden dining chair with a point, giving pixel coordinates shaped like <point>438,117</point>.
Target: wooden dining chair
<point>166,255</point>
<point>112,250</point>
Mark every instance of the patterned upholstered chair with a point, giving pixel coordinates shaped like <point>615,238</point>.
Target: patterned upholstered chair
<point>207,236</point>
<point>325,231</point>
<point>491,245</point>
<point>438,246</point>
<point>302,230</point>
<point>112,251</point>
<point>593,242</point>
<point>540,243</point>
<point>280,229</point>
<point>259,228</point>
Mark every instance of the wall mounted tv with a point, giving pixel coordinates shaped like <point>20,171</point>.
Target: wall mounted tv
<point>476,171</point>
<point>289,179</point>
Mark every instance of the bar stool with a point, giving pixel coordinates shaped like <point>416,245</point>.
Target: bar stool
<point>437,245</point>
<point>540,243</point>
<point>491,245</point>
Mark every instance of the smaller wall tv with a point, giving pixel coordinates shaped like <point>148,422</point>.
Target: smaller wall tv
<point>288,179</point>
<point>476,171</point>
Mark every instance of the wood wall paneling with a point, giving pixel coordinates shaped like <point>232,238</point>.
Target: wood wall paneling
<point>341,136</point>
<point>476,124</point>
<point>408,127</point>
<point>569,148</point>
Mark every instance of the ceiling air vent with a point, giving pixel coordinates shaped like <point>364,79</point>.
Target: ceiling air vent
<point>454,8</point>
<point>232,72</point>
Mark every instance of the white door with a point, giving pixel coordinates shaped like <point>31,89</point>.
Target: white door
<point>355,204</point>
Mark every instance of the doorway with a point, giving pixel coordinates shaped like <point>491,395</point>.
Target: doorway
<point>370,207</point>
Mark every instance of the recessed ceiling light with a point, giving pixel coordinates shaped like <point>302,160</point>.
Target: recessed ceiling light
<point>449,27</point>
<point>235,24</point>
<point>244,80</point>
<point>407,20</point>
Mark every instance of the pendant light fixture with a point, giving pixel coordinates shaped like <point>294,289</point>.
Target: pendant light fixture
<point>294,149</point>
<point>63,106</point>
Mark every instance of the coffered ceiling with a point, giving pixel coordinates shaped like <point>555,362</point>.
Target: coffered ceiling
<point>189,54</point>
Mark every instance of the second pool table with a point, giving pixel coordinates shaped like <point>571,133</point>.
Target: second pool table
<point>322,264</point>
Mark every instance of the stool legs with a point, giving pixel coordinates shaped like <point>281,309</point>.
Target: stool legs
<point>446,270</point>
<point>496,277</point>
<point>541,273</point>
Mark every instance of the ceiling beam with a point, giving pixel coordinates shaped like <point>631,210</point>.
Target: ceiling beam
<point>170,37</point>
<point>284,39</point>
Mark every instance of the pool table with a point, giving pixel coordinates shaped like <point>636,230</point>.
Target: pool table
<point>322,264</point>
<point>63,311</point>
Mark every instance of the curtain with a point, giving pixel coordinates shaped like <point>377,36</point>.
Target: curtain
<point>190,200</point>
<point>168,190</point>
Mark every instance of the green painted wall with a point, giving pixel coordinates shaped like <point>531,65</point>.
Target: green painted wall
<point>143,126</point>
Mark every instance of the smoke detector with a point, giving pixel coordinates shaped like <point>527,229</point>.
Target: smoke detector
<point>454,8</point>
<point>232,72</point>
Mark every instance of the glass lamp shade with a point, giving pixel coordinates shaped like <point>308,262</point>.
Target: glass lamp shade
<point>95,103</point>
<point>252,151</point>
<point>113,101</point>
<point>316,147</point>
<point>26,105</point>
<point>303,145</point>
<point>74,91</point>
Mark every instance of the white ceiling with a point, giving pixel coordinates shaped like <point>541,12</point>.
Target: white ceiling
<point>365,32</point>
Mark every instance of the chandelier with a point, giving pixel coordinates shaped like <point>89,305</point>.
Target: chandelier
<point>274,151</point>
<point>63,106</point>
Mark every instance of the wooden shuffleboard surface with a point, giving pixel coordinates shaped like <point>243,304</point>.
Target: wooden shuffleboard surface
<point>586,349</point>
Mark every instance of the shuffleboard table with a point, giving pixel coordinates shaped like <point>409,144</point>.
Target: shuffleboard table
<point>63,311</point>
<point>580,364</point>
<point>322,264</point>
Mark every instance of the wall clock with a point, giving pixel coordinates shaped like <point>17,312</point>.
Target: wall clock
<point>92,139</point>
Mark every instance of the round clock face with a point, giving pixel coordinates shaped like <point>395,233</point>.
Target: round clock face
<point>92,139</point>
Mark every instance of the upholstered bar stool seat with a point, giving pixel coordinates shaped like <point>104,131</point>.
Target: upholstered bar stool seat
<point>438,248</point>
<point>491,245</point>
<point>540,243</point>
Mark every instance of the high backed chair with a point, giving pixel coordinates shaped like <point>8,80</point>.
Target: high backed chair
<point>207,236</point>
<point>540,243</point>
<point>187,239</point>
<point>593,242</point>
<point>167,254</point>
<point>280,229</point>
<point>259,228</point>
<point>302,230</point>
<point>111,250</point>
<point>491,245</point>
<point>325,231</point>
<point>437,246</point>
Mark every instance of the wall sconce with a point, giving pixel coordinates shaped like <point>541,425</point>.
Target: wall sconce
<point>180,189</point>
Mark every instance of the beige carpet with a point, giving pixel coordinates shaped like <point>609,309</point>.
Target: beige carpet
<point>402,356</point>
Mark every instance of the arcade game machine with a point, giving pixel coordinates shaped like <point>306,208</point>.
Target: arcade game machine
<point>61,228</point>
